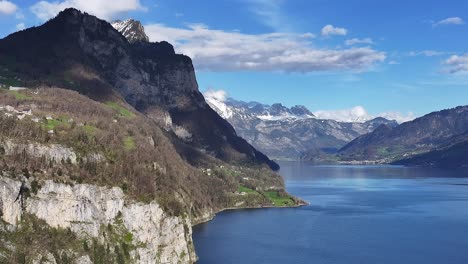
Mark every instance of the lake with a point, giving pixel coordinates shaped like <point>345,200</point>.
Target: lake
<point>357,214</point>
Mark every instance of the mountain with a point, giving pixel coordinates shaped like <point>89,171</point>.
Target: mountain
<point>421,135</point>
<point>131,29</point>
<point>289,133</point>
<point>453,154</point>
<point>110,154</point>
<point>85,54</point>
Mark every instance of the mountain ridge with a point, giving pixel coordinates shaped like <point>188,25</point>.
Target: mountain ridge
<point>424,134</point>
<point>289,133</point>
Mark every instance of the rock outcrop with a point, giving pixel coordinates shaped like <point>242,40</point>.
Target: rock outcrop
<point>51,152</point>
<point>131,29</point>
<point>86,209</point>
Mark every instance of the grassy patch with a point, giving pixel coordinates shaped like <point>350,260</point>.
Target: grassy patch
<point>51,124</point>
<point>128,237</point>
<point>245,190</point>
<point>89,129</point>
<point>120,109</point>
<point>20,96</point>
<point>279,200</point>
<point>129,143</point>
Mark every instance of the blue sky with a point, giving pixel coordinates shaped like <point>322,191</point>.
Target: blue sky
<point>387,56</point>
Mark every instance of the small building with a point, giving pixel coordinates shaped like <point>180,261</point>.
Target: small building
<point>14,88</point>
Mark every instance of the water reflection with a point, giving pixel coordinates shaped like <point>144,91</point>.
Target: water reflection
<point>357,214</point>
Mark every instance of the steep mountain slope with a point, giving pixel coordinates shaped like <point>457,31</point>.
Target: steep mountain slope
<point>76,163</point>
<point>452,154</point>
<point>290,133</point>
<point>421,135</point>
<point>80,52</point>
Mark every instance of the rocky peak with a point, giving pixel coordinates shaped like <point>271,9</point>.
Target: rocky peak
<point>380,120</point>
<point>131,29</point>
<point>301,110</point>
<point>277,109</point>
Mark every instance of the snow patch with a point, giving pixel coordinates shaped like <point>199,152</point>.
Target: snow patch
<point>217,99</point>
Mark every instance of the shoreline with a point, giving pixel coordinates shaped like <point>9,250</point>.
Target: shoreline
<point>206,220</point>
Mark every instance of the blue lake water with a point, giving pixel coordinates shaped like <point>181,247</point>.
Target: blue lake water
<point>357,214</point>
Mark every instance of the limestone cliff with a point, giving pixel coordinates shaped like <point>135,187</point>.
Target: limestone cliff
<point>86,209</point>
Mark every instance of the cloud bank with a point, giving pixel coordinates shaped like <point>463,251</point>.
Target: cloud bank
<point>359,114</point>
<point>104,9</point>
<point>218,50</point>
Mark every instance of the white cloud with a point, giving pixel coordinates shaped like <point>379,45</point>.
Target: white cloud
<point>269,12</point>
<point>355,41</point>
<point>7,7</point>
<point>308,35</point>
<point>329,30</point>
<point>20,26</point>
<point>399,117</point>
<point>218,95</point>
<point>359,114</point>
<point>456,63</point>
<point>355,114</point>
<point>427,53</point>
<point>219,50</point>
<point>449,21</point>
<point>101,8</point>
<point>216,99</point>
<point>393,62</point>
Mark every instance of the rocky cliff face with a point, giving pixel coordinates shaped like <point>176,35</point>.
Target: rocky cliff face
<point>87,209</point>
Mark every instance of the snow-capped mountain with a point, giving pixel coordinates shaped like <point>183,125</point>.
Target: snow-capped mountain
<point>228,108</point>
<point>288,133</point>
<point>132,29</point>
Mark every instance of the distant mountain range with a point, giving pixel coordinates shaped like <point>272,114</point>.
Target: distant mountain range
<point>290,133</point>
<point>439,138</point>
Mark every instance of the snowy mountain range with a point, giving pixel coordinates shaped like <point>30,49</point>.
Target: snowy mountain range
<point>289,133</point>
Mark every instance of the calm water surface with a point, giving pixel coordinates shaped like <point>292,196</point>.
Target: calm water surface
<point>357,214</point>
